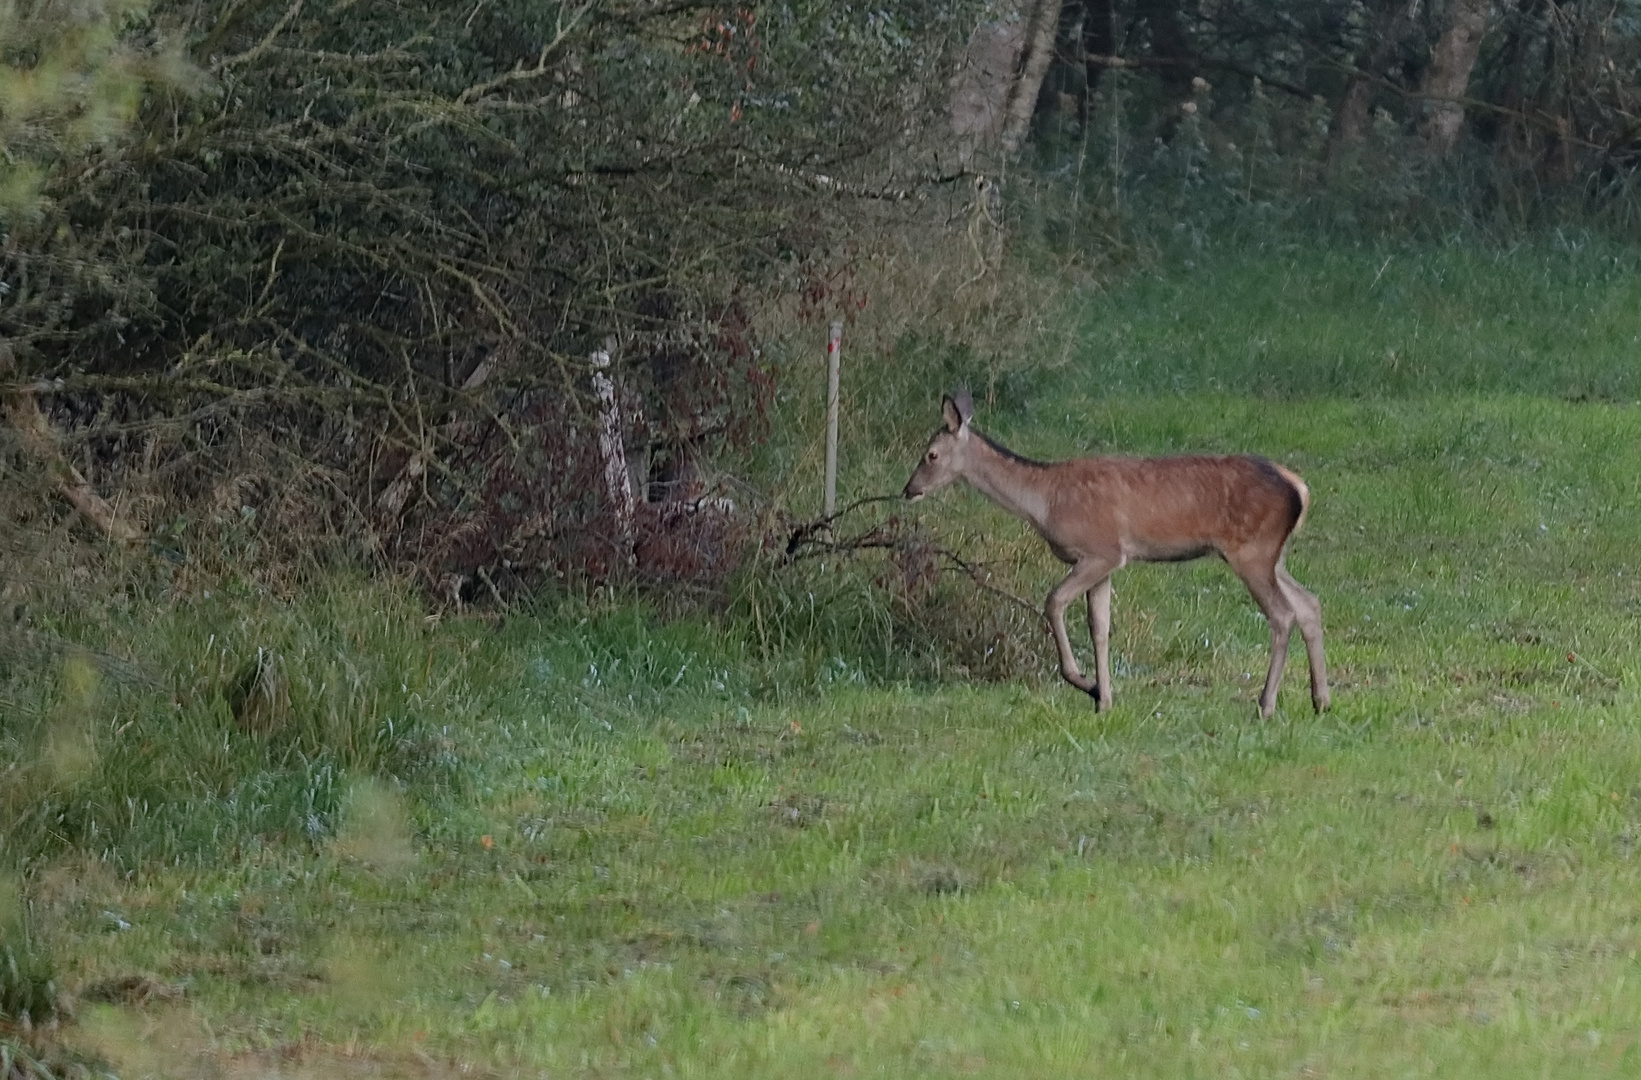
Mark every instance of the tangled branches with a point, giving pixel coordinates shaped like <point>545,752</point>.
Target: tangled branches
<point>372,256</point>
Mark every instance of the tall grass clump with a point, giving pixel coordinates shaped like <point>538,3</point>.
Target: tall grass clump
<point>28,976</point>
<point>210,722</point>
<point>31,998</point>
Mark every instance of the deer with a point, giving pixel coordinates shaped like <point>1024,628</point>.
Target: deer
<point>1099,513</point>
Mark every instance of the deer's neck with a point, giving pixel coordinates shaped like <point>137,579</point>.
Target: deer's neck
<point>1019,486</point>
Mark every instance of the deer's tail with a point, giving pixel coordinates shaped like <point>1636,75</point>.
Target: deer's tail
<point>1301,496</point>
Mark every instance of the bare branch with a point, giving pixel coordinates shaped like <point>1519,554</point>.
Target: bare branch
<point>561,32</point>
<point>41,441</point>
<point>265,44</point>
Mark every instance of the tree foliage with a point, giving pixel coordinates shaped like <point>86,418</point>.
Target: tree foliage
<point>399,229</point>
<point>72,77</point>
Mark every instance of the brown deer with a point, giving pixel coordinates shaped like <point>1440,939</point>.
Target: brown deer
<point>1099,513</point>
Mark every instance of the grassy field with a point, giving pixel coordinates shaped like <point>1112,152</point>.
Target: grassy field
<point>611,845</point>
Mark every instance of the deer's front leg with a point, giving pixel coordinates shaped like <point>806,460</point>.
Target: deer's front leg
<point>1084,576</point>
<point>1099,629</point>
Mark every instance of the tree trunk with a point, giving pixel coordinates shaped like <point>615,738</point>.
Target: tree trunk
<point>612,447</point>
<point>1065,88</point>
<point>1350,119</point>
<point>1039,52</point>
<point>981,87</point>
<point>1099,39</point>
<point>1448,76</point>
<point>1528,54</point>
<point>1169,44</point>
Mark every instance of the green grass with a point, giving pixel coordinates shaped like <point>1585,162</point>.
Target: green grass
<point>1291,319</point>
<point>617,846</point>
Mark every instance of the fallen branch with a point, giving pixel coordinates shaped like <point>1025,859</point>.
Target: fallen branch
<point>806,532</point>
<point>805,542</point>
<point>38,438</point>
<point>981,577</point>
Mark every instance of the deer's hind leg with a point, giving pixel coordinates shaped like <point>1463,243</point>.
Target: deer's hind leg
<point>1259,573</point>
<point>1308,610</point>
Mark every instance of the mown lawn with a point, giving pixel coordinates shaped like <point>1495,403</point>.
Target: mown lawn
<point>623,846</point>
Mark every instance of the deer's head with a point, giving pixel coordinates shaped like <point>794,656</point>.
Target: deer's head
<point>947,455</point>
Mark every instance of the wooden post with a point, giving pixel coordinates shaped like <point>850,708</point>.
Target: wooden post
<point>834,354</point>
<point>616,483</point>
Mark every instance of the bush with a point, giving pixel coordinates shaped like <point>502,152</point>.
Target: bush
<point>135,750</point>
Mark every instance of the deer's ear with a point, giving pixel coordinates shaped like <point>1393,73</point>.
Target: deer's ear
<point>958,409</point>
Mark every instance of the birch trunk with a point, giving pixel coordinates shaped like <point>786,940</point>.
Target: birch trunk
<point>617,484</point>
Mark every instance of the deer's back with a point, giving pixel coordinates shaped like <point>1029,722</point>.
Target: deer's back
<point>1170,508</point>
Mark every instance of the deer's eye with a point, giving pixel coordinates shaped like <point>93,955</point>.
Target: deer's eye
<point>933,455</point>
